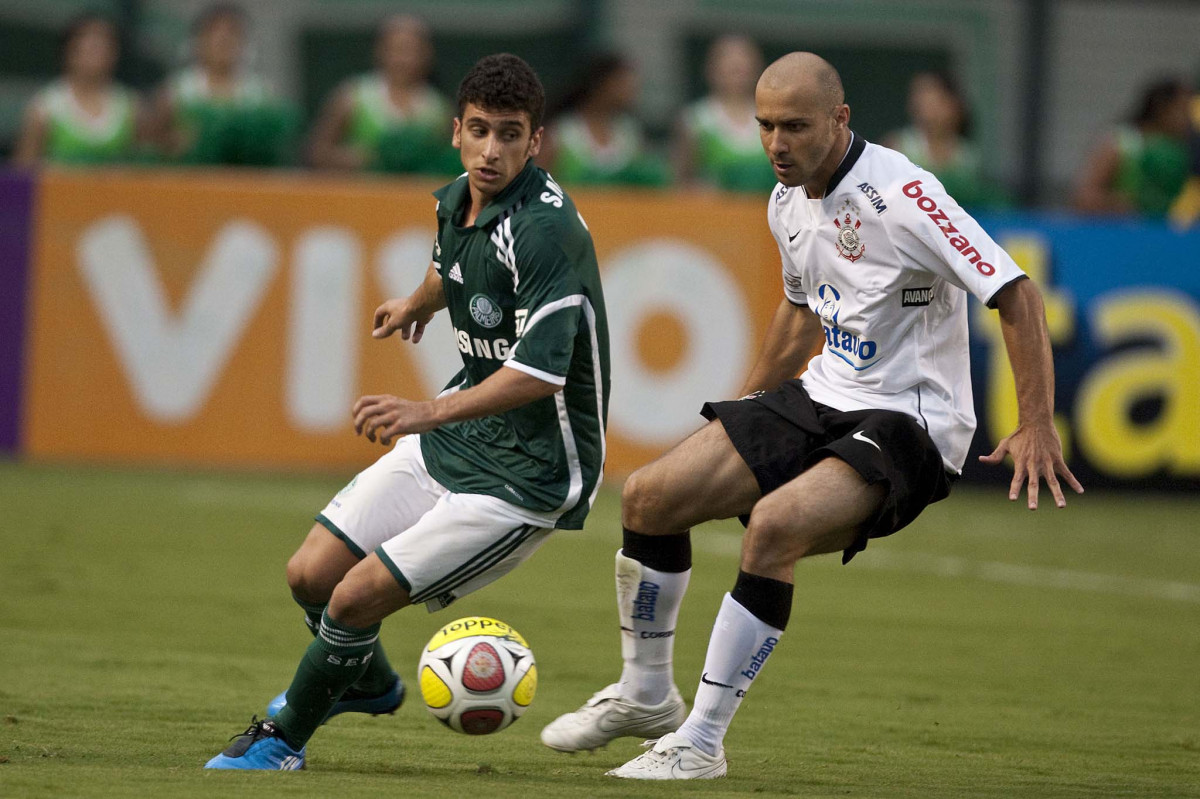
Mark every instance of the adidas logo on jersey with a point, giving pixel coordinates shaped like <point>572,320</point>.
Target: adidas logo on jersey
<point>456,273</point>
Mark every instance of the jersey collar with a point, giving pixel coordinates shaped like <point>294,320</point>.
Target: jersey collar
<point>857,145</point>
<point>453,196</point>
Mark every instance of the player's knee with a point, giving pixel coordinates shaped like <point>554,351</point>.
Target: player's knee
<point>307,579</point>
<point>776,537</point>
<point>638,501</point>
<point>367,595</point>
<point>352,601</point>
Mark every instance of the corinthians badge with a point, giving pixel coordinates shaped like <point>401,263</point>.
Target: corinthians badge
<point>849,244</point>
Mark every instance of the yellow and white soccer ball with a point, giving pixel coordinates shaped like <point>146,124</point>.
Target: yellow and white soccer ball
<point>477,675</point>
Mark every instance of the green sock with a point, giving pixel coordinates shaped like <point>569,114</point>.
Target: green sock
<point>379,675</point>
<point>334,660</point>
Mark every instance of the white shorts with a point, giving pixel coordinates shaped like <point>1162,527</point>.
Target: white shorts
<point>440,546</point>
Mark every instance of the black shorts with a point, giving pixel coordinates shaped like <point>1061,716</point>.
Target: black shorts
<point>781,433</point>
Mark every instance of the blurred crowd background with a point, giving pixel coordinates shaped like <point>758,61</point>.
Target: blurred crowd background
<point>1083,104</point>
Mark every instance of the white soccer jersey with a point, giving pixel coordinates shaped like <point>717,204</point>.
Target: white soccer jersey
<point>885,259</point>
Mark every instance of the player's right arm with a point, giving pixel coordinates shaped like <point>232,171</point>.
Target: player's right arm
<point>411,314</point>
<point>791,338</point>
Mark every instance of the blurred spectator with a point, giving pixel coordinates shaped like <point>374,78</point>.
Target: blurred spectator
<point>937,140</point>
<point>1142,167</point>
<point>1185,211</point>
<point>593,138</point>
<point>391,119</point>
<point>718,143</point>
<point>215,111</point>
<point>84,117</point>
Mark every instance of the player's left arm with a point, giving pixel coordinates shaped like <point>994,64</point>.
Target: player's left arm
<point>929,228</point>
<point>384,417</point>
<point>1034,446</point>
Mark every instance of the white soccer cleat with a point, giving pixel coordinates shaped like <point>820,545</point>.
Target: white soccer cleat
<point>672,757</point>
<point>608,715</point>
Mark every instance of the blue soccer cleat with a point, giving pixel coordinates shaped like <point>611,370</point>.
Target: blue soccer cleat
<point>261,748</point>
<point>385,704</point>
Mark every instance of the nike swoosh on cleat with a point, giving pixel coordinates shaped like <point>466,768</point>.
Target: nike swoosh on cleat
<point>628,722</point>
<point>859,435</point>
<point>704,679</point>
<point>682,771</point>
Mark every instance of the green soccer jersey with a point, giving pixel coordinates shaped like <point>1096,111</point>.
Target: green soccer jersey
<point>74,137</point>
<point>523,290</point>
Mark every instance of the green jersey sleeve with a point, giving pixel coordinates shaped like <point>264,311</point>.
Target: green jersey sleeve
<point>549,300</point>
<point>436,255</point>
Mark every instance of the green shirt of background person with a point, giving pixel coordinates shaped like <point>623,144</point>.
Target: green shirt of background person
<point>938,140</point>
<point>390,120</point>
<point>1144,164</point>
<point>214,112</point>
<point>84,117</point>
<point>595,139</point>
<point>718,144</point>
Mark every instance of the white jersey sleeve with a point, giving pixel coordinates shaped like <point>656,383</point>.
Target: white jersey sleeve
<point>793,284</point>
<point>930,228</point>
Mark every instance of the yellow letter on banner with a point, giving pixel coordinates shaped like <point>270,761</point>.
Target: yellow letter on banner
<point>1107,432</point>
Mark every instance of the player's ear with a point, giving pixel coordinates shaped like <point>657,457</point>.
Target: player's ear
<point>841,115</point>
<point>456,136</point>
<point>535,143</point>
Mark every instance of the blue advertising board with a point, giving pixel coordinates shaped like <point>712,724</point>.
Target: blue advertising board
<point>1123,308</point>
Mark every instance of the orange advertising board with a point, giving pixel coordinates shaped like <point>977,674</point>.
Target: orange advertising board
<point>224,318</point>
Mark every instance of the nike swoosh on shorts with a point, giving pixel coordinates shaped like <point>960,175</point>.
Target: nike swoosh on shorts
<point>859,435</point>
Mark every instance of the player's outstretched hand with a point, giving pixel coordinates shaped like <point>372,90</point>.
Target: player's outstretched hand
<point>385,417</point>
<point>396,315</point>
<point>1036,451</point>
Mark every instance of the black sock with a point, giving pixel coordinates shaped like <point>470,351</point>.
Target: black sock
<point>664,553</point>
<point>769,600</point>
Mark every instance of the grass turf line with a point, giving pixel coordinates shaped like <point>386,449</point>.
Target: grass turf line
<point>145,618</point>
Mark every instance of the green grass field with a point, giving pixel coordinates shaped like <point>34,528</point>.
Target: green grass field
<point>985,651</point>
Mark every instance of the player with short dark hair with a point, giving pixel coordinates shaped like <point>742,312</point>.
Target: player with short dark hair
<point>512,449</point>
<point>878,261</point>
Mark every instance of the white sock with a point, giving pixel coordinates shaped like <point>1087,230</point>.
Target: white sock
<point>648,605</point>
<point>739,647</point>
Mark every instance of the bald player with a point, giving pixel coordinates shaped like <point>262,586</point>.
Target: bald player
<point>878,261</point>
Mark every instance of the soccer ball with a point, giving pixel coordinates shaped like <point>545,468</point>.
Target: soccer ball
<point>477,675</point>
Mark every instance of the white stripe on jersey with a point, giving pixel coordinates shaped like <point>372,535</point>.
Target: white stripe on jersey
<point>506,250</point>
<point>547,377</point>
<point>574,468</point>
<point>598,377</point>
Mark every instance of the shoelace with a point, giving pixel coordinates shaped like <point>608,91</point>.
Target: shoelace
<point>649,747</point>
<point>255,726</point>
